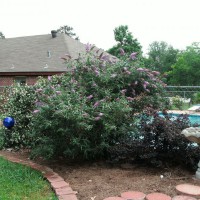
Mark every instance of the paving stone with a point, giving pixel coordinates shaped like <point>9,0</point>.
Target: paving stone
<point>30,162</point>
<point>38,167</point>
<point>67,197</point>
<point>59,184</point>
<point>25,163</point>
<point>35,166</point>
<point>114,198</point>
<point>48,169</point>
<point>133,195</point>
<point>49,174</point>
<point>188,189</point>
<point>158,196</point>
<point>43,169</point>
<point>181,197</point>
<point>64,191</point>
<point>54,178</point>
<point>15,160</point>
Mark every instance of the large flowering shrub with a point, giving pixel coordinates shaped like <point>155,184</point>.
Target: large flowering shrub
<point>92,106</point>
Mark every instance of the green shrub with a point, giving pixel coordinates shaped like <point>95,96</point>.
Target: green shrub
<point>2,136</point>
<point>18,103</point>
<point>83,112</point>
<point>177,102</point>
<point>196,97</point>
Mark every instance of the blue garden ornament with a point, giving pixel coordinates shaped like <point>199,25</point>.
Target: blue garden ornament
<point>8,122</point>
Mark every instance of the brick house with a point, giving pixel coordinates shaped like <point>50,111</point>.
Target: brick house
<point>23,59</point>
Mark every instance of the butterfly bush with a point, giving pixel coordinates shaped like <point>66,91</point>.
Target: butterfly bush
<point>92,106</point>
<point>83,112</point>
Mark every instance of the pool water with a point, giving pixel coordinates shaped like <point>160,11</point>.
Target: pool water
<point>194,119</point>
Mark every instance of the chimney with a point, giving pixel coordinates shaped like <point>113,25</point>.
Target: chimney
<point>53,33</point>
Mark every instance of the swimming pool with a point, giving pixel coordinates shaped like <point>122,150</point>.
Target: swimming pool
<point>194,119</point>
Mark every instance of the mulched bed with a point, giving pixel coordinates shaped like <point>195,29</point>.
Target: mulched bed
<point>96,181</point>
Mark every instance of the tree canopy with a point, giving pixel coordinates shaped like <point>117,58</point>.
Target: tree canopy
<point>161,56</point>
<point>68,30</point>
<point>186,71</point>
<point>125,41</point>
<point>2,36</point>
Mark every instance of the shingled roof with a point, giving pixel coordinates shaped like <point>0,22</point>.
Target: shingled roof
<point>40,53</point>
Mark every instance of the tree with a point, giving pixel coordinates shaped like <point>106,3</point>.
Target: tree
<point>68,31</point>
<point>161,56</point>
<point>186,71</point>
<point>2,36</point>
<point>125,41</point>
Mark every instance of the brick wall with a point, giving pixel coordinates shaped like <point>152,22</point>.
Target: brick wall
<point>31,80</point>
<point>9,80</point>
<point>6,80</point>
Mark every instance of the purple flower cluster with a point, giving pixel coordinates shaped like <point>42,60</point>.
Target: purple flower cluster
<point>36,111</point>
<point>96,72</point>
<point>133,56</point>
<point>38,103</point>
<point>105,58</point>
<point>90,96</point>
<point>126,71</point>
<point>96,104</point>
<point>145,84</point>
<point>155,73</point>
<point>129,98</point>
<point>73,81</point>
<point>122,52</point>
<point>98,117</point>
<point>85,114</point>
<point>39,90</point>
<point>58,92</point>
<point>123,91</point>
<point>88,47</point>
<point>94,85</point>
<point>142,69</point>
<point>152,75</point>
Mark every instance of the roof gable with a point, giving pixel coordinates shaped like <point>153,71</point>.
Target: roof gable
<point>37,53</point>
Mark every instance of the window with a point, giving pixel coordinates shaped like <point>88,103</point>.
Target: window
<point>20,79</point>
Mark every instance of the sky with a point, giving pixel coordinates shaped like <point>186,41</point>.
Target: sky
<point>176,22</point>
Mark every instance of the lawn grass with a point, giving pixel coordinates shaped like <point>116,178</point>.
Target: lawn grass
<point>19,182</point>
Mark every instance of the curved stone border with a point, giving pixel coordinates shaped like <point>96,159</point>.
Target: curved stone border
<point>60,187</point>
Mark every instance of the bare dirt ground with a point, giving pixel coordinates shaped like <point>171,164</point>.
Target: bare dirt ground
<point>100,180</point>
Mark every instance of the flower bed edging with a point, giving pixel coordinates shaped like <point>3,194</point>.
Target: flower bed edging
<point>59,186</point>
